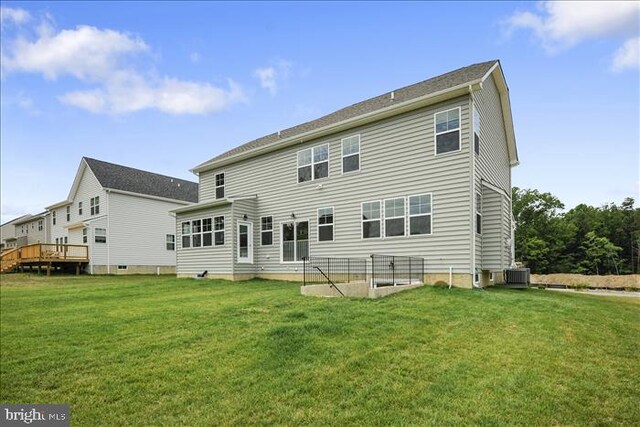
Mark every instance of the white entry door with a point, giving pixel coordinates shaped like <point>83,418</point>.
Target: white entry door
<point>245,242</point>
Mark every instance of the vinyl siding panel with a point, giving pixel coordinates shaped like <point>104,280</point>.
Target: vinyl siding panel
<point>492,166</point>
<point>397,159</point>
<point>492,230</point>
<point>215,259</point>
<point>137,230</point>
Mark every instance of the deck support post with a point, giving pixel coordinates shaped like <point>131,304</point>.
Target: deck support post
<point>49,269</point>
<point>39,269</point>
<point>78,269</point>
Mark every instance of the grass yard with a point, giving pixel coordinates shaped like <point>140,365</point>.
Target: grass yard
<point>159,350</point>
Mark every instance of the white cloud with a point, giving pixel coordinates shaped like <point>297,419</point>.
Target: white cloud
<point>270,77</point>
<point>194,57</point>
<point>107,59</point>
<point>562,24</point>
<point>17,16</point>
<point>267,77</point>
<point>627,56</point>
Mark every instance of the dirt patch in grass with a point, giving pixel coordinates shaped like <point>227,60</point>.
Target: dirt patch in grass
<point>611,281</point>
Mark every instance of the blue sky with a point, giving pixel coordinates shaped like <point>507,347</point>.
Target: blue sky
<point>165,86</point>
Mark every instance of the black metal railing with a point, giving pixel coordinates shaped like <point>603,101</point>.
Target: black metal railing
<point>392,270</point>
<point>377,270</point>
<point>318,270</point>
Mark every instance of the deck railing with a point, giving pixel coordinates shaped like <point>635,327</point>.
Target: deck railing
<point>318,270</point>
<point>392,270</point>
<point>42,253</point>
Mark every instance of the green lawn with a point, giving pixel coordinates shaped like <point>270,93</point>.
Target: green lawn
<point>158,350</point>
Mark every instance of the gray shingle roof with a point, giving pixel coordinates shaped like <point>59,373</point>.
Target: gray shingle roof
<point>436,84</point>
<point>138,181</point>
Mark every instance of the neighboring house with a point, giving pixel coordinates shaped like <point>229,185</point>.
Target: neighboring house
<point>8,237</point>
<point>424,170</point>
<point>32,229</point>
<point>122,214</point>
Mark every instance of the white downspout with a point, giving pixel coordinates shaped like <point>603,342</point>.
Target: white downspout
<point>108,236</point>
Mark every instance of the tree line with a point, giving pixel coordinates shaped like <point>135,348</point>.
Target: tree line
<point>584,240</point>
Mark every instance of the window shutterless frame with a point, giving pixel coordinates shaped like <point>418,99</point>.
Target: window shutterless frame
<point>403,217</point>
<point>332,225</point>
<point>219,181</point>
<point>313,163</point>
<point>266,231</point>
<point>350,140</point>
<point>447,131</point>
<point>430,214</point>
<point>379,219</point>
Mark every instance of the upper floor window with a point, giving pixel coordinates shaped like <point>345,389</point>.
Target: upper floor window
<point>68,213</point>
<point>219,185</point>
<point>351,154</point>
<point>420,214</point>
<point>53,217</point>
<point>94,203</point>
<point>313,163</point>
<point>40,227</point>
<point>394,217</point>
<point>325,224</point>
<point>84,235</point>
<point>371,220</point>
<point>266,231</point>
<point>476,130</point>
<point>101,235</point>
<point>79,208</point>
<point>171,242</point>
<point>478,213</point>
<point>447,131</point>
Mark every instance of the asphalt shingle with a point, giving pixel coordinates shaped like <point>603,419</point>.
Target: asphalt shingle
<point>138,181</point>
<point>436,84</point>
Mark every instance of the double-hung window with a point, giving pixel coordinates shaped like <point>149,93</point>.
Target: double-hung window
<point>100,235</point>
<point>219,186</point>
<point>266,231</point>
<point>196,233</point>
<point>420,214</point>
<point>351,154</point>
<point>53,217</point>
<point>325,224</point>
<point>171,242</point>
<point>394,217</point>
<point>478,213</point>
<point>476,130</point>
<point>94,203</point>
<point>313,163</point>
<point>40,225</point>
<point>206,232</point>
<point>447,131</point>
<point>68,213</point>
<point>371,220</point>
<point>218,230</point>
<point>85,235</point>
<point>79,208</point>
<point>186,234</point>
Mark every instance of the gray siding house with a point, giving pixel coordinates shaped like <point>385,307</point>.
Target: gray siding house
<point>122,215</point>
<point>424,170</point>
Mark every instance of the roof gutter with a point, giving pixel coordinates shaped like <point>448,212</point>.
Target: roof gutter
<point>383,113</point>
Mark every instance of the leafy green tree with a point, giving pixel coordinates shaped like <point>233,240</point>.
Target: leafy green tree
<point>599,255</point>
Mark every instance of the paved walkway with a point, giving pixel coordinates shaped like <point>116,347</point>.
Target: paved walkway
<point>605,293</point>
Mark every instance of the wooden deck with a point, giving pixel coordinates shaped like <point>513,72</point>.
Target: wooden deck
<point>45,255</point>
